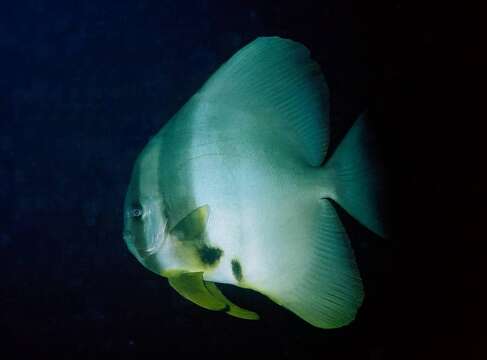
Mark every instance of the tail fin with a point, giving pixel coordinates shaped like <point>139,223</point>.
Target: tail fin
<point>356,177</point>
<point>319,279</point>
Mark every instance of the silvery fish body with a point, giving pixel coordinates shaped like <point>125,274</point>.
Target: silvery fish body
<point>233,190</point>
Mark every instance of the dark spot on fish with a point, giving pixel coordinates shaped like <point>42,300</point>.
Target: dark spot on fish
<point>237,270</point>
<point>209,255</point>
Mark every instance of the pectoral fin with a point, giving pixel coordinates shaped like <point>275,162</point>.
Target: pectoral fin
<point>192,226</point>
<point>192,287</point>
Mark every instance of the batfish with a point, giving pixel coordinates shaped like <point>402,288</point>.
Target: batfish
<point>238,188</point>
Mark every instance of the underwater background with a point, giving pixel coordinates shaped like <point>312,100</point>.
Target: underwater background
<point>83,86</point>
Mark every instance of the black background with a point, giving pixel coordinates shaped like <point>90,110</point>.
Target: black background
<point>84,84</point>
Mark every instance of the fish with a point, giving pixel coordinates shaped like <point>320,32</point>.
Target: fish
<point>239,188</point>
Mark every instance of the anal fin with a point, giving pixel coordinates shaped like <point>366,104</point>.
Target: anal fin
<point>325,287</point>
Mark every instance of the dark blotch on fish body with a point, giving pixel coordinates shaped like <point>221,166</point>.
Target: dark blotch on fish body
<point>209,255</point>
<point>237,270</point>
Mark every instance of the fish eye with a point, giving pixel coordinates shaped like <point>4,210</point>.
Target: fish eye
<point>136,212</point>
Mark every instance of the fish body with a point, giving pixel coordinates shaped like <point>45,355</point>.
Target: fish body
<point>232,190</point>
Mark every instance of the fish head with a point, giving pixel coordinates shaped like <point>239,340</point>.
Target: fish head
<point>145,218</point>
<point>163,250</point>
<point>144,228</point>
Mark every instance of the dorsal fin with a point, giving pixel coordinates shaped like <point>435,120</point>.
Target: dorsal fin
<point>276,80</point>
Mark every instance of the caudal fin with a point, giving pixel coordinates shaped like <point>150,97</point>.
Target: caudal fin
<point>357,178</point>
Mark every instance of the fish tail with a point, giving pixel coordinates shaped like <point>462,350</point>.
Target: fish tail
<point>329,291</point>
<point>355,177</point>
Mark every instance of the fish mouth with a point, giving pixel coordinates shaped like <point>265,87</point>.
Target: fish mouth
<point>157,241</point>
<point>144,251</point>
<point>156,244</point>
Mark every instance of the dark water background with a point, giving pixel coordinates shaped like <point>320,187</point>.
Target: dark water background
<point>84,84</point>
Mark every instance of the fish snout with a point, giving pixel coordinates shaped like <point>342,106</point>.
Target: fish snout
<point>141,248</point>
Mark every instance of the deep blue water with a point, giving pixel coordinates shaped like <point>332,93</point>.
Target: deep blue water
<point>85,83</point>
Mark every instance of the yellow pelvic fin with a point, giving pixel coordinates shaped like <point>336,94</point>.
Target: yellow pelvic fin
<point>233,310</point>
<point>192,287</point>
